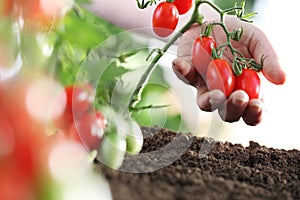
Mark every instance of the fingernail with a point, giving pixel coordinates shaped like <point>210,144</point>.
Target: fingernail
<point>216,97</point>
<point>256,107</point>
<point>240,101</point>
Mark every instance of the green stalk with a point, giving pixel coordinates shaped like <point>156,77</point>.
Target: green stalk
<point>136,95</point>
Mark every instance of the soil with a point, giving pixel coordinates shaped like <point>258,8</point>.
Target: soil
<point>180,166</point>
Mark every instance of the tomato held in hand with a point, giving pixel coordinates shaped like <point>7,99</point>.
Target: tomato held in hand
<point>220,76</point>
<point>183,6</point>
<point>165,19</point>
<point>249,81</point>
<point>201,53</point>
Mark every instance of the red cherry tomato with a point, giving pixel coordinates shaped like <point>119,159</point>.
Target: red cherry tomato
<point>79,99</point>
<point>88,129</point>
<point>165,19</point>
<point>249,81</point>
<point>201,53</point>
<point>32,12</point>
<point>220,76</point>
<point>6,7</point>
<point>183,6</point>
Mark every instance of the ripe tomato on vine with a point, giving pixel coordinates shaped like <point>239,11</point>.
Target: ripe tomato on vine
<point>201,53</point>
<point>165,19</point>
<point>219,76</point>
<point>183,6</point>
<point>249,81</point>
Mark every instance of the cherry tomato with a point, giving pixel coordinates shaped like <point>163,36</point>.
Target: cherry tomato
<point>220,76</point>
<point>165,19</point>
<point>79,99</point>
<point>183,6</point>
<point>6,7</point>
<point>249,81</point>
<point>32,12</point>
<point>37,14</point>
<point>88,129</point>
<point>201,53</point>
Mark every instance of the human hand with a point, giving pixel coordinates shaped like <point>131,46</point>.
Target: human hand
<point>253,44</point>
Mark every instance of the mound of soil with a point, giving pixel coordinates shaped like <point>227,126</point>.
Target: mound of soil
<point>181,166</point>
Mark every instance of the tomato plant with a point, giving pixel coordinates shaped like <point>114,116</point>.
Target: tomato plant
<point>220,76</point>
<point>183,6</point>
<point>201,53</point>
<point>165,19</point>
<point>249,81</point>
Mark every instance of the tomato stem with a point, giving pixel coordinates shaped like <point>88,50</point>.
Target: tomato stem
<point>239,61</point>
<point>136,95</point>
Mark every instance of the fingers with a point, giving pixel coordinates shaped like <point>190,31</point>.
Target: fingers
<point>259,46</point>
<point>238,106</point>
<point>209,101</point>
<point>185,71</point>
<point>272,70</point>
<point>234,108</point>
<point>254,112</point>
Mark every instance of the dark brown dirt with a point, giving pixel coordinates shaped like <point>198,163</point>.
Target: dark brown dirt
<point>180,166</point>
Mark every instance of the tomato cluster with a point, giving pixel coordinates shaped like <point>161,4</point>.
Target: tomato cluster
<point>78,122</point>
<point>218,73</point>
<point>166,16</point>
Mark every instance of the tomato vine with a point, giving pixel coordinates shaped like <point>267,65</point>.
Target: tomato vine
<point>144,4</point>
<point>239,60</point>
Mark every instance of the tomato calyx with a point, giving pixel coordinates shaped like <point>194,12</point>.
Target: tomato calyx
<point>238,64</point>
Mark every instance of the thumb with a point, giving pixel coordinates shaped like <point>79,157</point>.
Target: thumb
<point>260,46</point>
<point>273,71</point>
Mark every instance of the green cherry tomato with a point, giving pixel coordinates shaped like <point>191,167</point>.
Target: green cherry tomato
<point>134,139</point>
<point>219,76</point>
<point>249,81</point>
<point>183,6</point>
<point>201,53</point>
<point>112,149</point>
<point>165,19</point>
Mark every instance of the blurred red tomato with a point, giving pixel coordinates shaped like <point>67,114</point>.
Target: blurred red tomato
<point>14,185</point>
<point>36,14</point>
<point>23,144</point>
<point>88,129</point>
<point>79,98</point>
<point>6,7</point>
